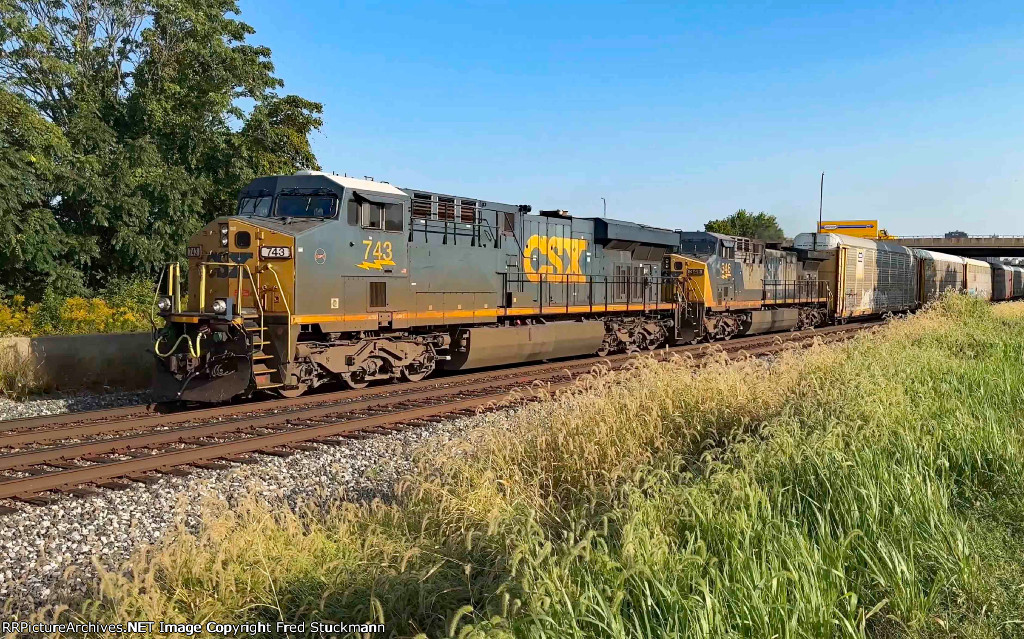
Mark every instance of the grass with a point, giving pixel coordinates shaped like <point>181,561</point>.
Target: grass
<point>18,374</point>
<point>873,488</point>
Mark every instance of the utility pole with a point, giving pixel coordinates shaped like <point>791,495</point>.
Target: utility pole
<point>604,205</point>
<point>821,196</point>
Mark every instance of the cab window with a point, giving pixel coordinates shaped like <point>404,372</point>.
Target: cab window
<point>393,216</point>
<point>258,206</point>
<point>372,213</point>
<point>377,215</point>
<point>319,206</point>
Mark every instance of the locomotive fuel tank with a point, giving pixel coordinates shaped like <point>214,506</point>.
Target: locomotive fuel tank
<point>496,346</point>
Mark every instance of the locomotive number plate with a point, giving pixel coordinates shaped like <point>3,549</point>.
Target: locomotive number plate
<point>275,252</point>
<point>695,272</point>
<point>194,251</point>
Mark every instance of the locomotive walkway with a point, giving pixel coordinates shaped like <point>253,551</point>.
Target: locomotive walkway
<point>41,458</point>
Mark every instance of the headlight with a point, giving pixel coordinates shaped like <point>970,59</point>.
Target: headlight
<point>219,305</point>
<point>223,234</point>
<point>164,304</point>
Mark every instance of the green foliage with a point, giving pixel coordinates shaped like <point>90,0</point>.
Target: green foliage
<point>874,488</point>
<point>123,307</point>
<point>124,132</point>
<point>758,226</point>
<point>30,237</point>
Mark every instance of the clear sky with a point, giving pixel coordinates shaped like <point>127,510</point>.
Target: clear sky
<point>676,113</point>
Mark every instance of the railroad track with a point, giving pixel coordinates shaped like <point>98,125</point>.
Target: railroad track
<point>41,458</point>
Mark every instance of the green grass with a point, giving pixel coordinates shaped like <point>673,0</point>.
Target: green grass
<point>873,488</point>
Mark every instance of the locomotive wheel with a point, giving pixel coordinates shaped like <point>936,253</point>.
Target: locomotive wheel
<point>289,393</point>
<point>355,382</point>
<point>416,374</point>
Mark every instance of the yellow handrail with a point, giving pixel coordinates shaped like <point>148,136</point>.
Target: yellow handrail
<point>287,307</point>
<point>156,295</point>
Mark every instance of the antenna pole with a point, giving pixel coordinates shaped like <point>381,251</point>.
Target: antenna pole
<point>604,207</point>
<point>821,196</point>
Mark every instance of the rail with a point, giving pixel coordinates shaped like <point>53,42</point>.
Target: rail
<point>478,233</point>
<point>585,293</point>
<point>794,291</point>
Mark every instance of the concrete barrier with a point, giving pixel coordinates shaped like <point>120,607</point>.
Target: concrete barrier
<point>74,362</point>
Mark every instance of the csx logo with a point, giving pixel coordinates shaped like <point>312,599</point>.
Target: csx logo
<point>558,259</point>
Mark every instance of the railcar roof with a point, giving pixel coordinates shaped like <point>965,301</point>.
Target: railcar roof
<point>942,257</point>
<point>828,241</point>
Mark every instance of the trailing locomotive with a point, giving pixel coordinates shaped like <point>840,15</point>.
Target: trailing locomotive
<point>320,278</point>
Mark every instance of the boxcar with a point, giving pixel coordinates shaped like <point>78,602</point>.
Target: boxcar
<point>939,273</point>
<point>978,278</point>
<point>870,278</point>
<point>1018,281</point>
<point>1002,281</point>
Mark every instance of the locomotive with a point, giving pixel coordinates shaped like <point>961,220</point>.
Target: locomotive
<point>322,278</point>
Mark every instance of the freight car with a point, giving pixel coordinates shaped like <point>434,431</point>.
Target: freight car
<point>871,278</point>
<point>939,273</point>
<point>978,278</point>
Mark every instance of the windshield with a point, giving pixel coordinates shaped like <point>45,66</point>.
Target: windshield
<point>259,206</point>
<point>306,205</point>
<point>698,247</point>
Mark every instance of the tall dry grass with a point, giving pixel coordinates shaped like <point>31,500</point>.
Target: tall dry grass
<point>871,488</point>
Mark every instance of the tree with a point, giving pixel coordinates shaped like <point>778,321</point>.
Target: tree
<point>143,103</point>
<point>760,226</point>
<point>30,237</point>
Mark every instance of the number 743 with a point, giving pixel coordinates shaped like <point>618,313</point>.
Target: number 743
<point>381,251</point>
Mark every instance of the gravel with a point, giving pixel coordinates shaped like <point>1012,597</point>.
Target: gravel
<point>58,403</point>
<point>47,553</point>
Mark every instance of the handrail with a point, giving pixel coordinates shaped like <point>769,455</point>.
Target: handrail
<point>156,296</point>
<point>284,298</point>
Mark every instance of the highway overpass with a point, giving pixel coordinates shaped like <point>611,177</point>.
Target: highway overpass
<point>971,246</point>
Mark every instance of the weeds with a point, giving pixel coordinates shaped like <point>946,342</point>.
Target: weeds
<point>873,488</point>
<point>17,373</point>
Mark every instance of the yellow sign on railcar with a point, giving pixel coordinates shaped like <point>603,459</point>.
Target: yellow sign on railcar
<point>867,229</point>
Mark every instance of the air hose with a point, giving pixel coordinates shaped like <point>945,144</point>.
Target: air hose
<point>193,352</point>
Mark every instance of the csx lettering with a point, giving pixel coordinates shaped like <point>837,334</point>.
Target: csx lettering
<point>558,258</point>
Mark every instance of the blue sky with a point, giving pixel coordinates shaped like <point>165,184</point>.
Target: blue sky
<point>675,113</point>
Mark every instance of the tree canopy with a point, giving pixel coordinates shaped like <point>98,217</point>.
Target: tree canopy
<point>125,125</point>
<point>759,226</point>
